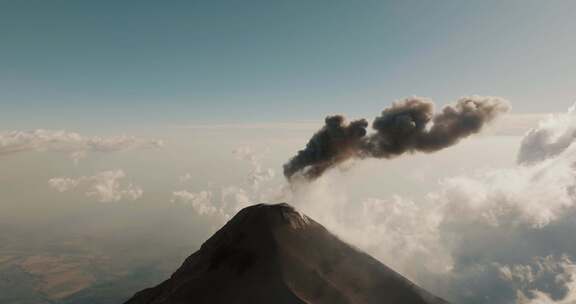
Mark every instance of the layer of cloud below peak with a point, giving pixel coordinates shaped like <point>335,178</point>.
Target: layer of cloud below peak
<point>71,143</point>
<point>105,186</point>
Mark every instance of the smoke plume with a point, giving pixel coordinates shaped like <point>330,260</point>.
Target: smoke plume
<point>409,125</point>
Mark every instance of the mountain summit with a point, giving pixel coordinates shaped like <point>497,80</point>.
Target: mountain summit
<point>273,254</point>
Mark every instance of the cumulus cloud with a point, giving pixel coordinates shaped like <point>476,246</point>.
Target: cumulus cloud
<point>185,178</point>
<point>407,126</point>
<point>550,138</point>
<point>201,202</point>
<point>220,206</point>
<point>536,277</point>
<point>258,174</point>
<point>222,203</point>
<point>74,144</point>
<point>480,237</point>
<point>105,186</point>
<point>63,184</point>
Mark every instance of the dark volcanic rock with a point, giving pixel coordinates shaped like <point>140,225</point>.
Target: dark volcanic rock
<point>271,254</point>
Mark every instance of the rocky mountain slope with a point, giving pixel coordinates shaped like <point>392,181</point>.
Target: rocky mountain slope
<point>273,254</point>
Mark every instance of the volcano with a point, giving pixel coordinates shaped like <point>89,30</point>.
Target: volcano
<point>272,254</point>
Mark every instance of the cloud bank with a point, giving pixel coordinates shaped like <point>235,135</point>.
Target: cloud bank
<point>74,144</point>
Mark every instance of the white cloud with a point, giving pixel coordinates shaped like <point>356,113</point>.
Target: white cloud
<point>105,186</point>
<point>235,198</point>
<point>220,206</point>
<point>224,202</point>
<point>258,174</point>
<point>562,271</point>
<point>74,144</point>
<point>185,178</point>
<point>63,184</point>
<point>201,202</point>
<point>552,136</point>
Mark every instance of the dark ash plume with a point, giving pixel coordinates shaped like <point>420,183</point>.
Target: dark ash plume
<point>336,142</point>
<point>409,125</point>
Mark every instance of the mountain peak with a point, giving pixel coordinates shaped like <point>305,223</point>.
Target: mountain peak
<point>275,254</point>
<point>272,215</point>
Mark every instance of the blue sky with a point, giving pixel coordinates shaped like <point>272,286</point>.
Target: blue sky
<point>66,64</point>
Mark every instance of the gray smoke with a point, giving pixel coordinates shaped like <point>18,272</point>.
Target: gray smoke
<point>409,125</point>
<point>336,142</point>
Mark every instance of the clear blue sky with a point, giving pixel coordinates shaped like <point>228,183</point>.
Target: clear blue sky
<point>69,63</point>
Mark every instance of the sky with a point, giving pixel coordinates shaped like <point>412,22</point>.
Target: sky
<point>138,63</point>
<point>132,130</point>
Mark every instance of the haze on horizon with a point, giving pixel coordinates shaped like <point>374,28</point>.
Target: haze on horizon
<point>131,131</point>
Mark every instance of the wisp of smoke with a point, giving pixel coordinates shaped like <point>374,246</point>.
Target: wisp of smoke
<point>408,126</point>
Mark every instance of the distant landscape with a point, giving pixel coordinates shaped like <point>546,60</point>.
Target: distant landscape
<point>77,270</point>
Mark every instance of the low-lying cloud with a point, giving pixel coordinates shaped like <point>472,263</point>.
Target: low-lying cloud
<point>105,186</point>
<point>74,144</point>
<point>258,174</point>
<point>222,203</point>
